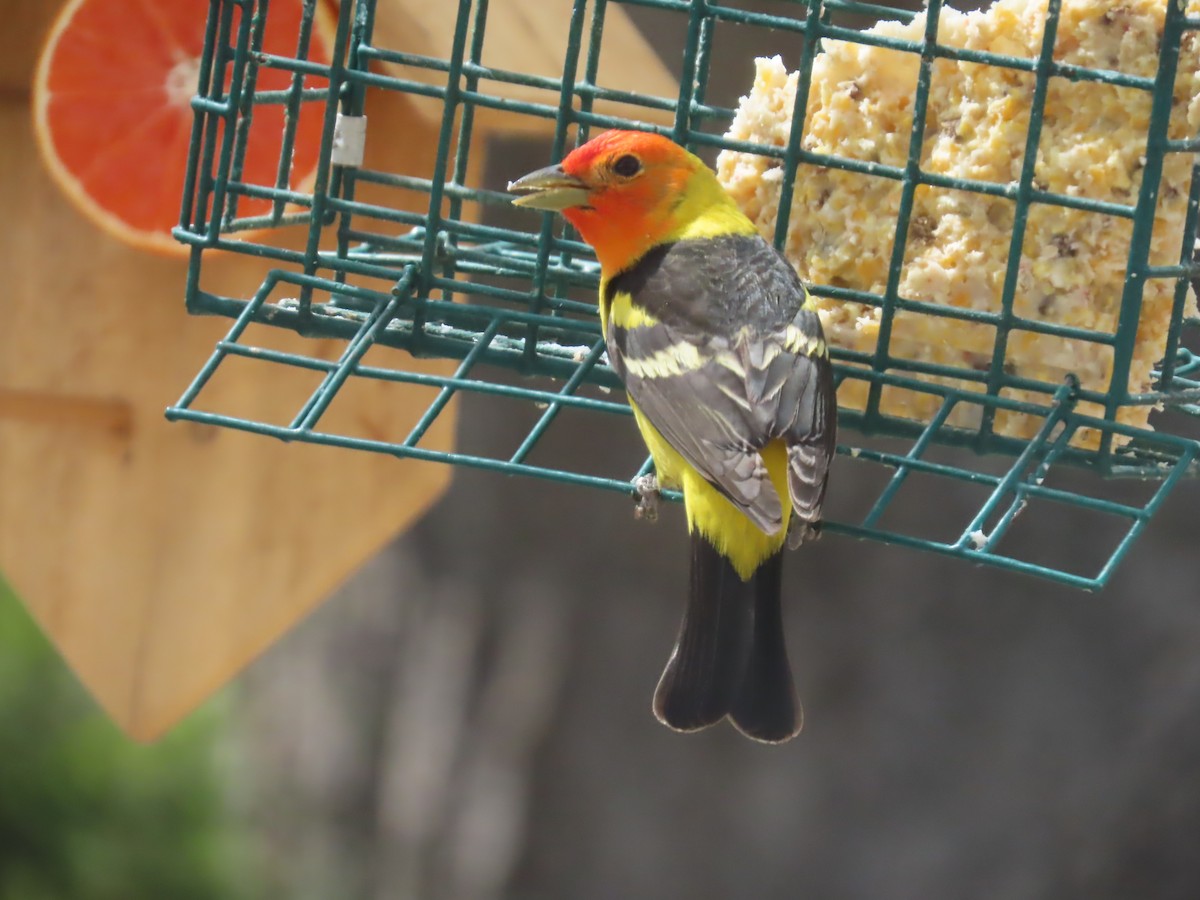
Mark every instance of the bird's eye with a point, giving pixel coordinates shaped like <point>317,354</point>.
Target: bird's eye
<point>627,166</point>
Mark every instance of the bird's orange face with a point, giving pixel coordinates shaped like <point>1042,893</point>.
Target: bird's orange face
<point>620,190</point>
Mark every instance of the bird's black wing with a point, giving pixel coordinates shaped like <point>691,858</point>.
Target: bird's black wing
<point>726,358</point>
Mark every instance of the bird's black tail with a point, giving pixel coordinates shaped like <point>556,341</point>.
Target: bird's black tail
<point>767,707</point>
<point>730,658</point>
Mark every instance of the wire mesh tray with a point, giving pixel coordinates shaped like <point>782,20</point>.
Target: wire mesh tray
<point>433,263</point>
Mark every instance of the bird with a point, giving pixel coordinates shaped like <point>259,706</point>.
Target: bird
<point>724,361</point>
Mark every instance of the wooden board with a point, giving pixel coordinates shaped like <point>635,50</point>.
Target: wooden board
<point>528,37</point>
<point>161,558</point>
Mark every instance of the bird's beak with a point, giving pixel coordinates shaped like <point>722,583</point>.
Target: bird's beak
<point>549,188</point>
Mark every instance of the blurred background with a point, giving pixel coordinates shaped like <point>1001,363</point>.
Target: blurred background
<point>469,717</point>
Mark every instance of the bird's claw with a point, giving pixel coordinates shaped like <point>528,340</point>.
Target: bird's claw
<point>800,531</point>
<point>647,499</point>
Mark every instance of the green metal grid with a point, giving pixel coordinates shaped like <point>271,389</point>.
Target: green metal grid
<point>438,283</point>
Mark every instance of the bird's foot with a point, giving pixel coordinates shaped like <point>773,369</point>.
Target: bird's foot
<point>800,531</point>
<point>647,499</point>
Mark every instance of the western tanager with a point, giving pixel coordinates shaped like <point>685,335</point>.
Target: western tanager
<point>721,352</point>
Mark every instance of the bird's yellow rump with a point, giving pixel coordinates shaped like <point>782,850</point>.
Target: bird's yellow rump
<point>723,357</point>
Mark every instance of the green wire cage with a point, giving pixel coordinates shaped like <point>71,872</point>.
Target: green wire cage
<point>500,299</point>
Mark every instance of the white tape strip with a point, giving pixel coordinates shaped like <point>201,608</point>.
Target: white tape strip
<point>349,140</point>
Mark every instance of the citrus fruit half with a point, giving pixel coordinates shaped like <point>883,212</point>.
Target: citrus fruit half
<point>112,113</point>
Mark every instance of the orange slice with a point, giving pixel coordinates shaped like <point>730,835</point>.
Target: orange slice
<point>112,114</point>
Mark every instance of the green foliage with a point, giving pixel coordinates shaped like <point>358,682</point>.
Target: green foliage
<point>87,814</point>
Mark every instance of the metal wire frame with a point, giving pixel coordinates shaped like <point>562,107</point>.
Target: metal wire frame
<point>525,315</point>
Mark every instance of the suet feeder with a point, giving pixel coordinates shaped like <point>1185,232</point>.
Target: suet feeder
<point>431,272</point>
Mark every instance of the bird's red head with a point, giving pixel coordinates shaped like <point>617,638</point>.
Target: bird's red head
<point>625,191</point>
